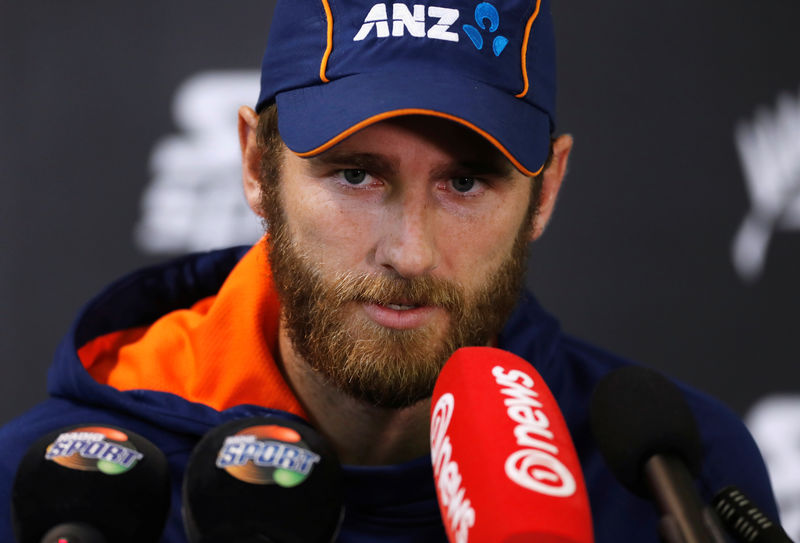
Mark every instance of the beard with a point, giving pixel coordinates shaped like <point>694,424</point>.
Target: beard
<point>384,367</point>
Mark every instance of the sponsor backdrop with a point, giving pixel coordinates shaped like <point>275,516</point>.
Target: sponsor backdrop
<point>676,239</point>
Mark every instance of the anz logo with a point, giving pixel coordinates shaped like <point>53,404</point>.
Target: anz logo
<point>486,12</point>
<point>403,19</point>
<point>416,23</point>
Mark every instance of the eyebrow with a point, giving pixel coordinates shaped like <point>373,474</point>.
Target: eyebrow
<point>490,168</point>
<point>382,164</point>
<point>363,161</point>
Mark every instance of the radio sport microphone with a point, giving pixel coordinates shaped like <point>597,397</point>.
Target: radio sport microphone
<point>262,479</point>
<point>504,464</point>
<point>745,520</point>
<point>649,438</point>
<point>90,483</point>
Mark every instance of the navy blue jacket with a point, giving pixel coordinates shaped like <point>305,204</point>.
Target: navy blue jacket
<point>391,503</point>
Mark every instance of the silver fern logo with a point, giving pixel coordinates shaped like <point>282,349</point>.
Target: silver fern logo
<point>775,424</point>
<point>769,151</point>
<point>194,200</point>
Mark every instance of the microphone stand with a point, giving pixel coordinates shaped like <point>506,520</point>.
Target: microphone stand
<point>684,518</point>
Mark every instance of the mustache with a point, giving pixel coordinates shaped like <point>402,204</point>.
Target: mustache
<point>386,289</point>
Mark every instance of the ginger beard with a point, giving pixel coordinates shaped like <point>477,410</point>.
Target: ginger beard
<point>382,366</point>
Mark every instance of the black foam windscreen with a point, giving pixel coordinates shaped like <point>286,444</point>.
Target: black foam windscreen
<point>262,479</point>
<point>637,412</point>
<point>95,477</point>
<point>74,532</point>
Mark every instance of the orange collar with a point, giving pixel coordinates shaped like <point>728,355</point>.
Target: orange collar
<point>220,352</point>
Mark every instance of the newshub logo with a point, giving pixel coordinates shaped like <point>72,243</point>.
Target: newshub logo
<point>432,22</point>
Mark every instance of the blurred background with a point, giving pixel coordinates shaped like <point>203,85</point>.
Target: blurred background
<point>676,239</point>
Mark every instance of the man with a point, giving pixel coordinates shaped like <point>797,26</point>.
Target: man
<point>402,156</point>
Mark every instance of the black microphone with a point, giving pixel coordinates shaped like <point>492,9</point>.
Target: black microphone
<point>649,438</point>
<point>90,483</point>
<point>744,520</point>
<point>262,479</point>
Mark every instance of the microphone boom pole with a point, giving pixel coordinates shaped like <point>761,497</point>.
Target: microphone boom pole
<point>685,519</point>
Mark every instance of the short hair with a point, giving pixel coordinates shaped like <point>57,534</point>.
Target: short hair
<point>270,144</point>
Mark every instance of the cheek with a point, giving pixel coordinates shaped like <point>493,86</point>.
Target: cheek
<point>479,248</point>
<point>330,231</point>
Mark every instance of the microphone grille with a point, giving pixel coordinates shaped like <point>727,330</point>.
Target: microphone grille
<point>745,520</point>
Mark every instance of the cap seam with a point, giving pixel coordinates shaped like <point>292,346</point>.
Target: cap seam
<point>524,53</point>
<point>329,39</point>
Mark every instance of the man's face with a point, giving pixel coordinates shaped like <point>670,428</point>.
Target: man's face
<point>394,248</point>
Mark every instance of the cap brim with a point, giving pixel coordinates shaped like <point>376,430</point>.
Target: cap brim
<point>314,119</point>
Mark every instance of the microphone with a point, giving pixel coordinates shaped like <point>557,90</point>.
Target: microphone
<point>90,483</point>
<point>649,438</point>
<point>744,520</point>
<point>262,479</point>
<point>504,464</point>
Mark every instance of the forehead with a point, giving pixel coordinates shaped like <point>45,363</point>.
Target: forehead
<point>436,138</point>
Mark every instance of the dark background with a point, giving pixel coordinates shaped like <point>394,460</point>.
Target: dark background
<point>637,258</point>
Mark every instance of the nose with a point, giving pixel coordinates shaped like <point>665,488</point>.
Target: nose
<point>407,244</point>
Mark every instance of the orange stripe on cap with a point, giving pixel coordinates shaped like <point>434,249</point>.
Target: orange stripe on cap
<point>417,111</point>
<point>525,49</point>
<point>324,65</point>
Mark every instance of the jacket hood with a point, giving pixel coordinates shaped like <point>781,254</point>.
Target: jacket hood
<point>135,306</point>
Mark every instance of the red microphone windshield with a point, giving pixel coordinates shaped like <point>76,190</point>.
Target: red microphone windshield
<point>503,460</point>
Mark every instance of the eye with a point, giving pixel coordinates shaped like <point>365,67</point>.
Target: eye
<point>463,184</point>
<point>354,177</point>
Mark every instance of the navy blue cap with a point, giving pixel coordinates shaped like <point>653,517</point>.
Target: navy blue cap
<point>336,66</point>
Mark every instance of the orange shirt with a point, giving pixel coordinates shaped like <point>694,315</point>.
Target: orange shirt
<point>219,352</point>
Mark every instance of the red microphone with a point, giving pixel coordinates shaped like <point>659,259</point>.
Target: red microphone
<point>503,460</point>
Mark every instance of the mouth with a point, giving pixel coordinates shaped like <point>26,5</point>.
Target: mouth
<point>400,307</point>
<point>401,315</point>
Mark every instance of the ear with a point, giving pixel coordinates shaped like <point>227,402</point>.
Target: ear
<point>551,183</point>
<point>251,158</point>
